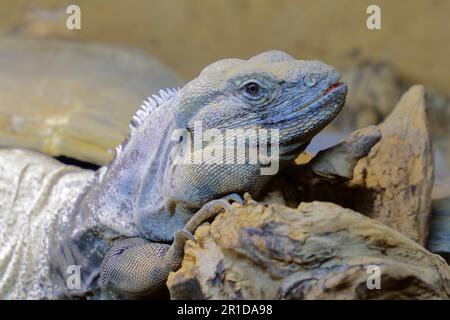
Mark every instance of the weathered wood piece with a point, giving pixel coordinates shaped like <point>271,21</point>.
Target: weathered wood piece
<point>317,251</point>
<point>337,163</point>
<point>398,172</point>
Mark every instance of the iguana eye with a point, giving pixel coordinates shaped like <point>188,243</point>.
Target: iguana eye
<point>256,92</point>
<point>252,88</point>
<point>253,91</point>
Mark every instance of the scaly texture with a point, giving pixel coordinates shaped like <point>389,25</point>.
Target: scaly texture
<point>150,191</point>
<point>128,255</point>
<point>36,193</point>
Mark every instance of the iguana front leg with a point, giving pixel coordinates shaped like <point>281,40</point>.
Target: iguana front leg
<point>137,267</point>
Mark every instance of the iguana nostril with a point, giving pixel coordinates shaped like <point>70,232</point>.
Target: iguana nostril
<point>311,80</point>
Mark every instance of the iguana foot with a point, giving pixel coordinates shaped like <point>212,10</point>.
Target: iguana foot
<point>137,267</point>
<point>208,211</point>
<point>134,267</point>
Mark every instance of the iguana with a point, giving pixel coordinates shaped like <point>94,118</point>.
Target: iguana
<point>118,228</point>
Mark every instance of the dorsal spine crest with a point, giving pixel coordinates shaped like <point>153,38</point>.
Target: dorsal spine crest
<point>147,107</point>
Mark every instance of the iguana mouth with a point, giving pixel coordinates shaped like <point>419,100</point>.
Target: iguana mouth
<point>332,90</point>
<point>324,108</point>
<point>333,87</point>
<point>329,92</point>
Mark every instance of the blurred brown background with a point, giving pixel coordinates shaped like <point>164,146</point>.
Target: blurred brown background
<point>73,95</point>
<point>189,34</point>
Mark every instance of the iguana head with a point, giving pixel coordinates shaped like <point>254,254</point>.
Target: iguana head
<point>270,90</point>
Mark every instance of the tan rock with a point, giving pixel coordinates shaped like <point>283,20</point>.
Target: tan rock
<point>318,251</point>
<point>73,99</point>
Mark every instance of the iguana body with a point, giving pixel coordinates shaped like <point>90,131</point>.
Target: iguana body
<point>115,227</point>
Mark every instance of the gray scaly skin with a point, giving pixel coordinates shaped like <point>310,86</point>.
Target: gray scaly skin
<point>153,260</point>
<point>118,227</point>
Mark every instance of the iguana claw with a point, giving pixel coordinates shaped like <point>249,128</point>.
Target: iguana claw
<point>188,235</point>
<point>208,211</point>
<point>234,197</point>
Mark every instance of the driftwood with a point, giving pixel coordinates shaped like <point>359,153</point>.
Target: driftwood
<point>399,169</point>
<point>318,251</point>
<point>337,163</point>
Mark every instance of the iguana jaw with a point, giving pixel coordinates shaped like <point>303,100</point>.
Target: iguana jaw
<point>305,122</point>
<point>333,97</point>
<point>334,93</point>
